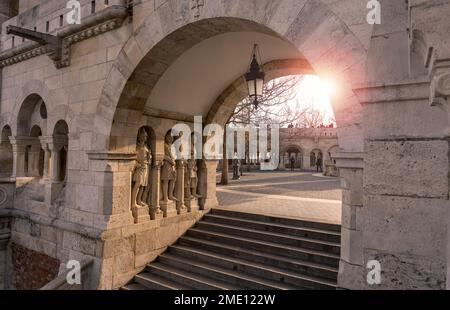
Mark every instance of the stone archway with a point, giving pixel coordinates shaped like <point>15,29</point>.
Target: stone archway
<point>321,36</point>
<point>309,32</point>
<point>316,156</point>
<point>30,125</point>
<point>295,153</point>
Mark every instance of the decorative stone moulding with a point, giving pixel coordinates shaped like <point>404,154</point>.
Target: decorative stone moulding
<point>440,87</point>
<point>3,196</point>
<point>106,20</point>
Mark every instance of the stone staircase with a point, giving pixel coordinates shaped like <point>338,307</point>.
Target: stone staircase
<point>232,250</point>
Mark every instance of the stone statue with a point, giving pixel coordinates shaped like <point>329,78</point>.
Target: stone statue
<point>191,179</point>
<point>141,170</point>
<point>168,173</point>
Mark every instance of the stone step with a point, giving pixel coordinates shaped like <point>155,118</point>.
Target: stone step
<point>329,259</point>
<point>133,287</point>
<point>185,277</point>
<point>274,260</point>
<point>154,282</point>
<point>230,250</point>
<point>313,233</point>
<point>319,245</point>
<point>238,279</point>
<point>251,268</point>
<point>278,220</point>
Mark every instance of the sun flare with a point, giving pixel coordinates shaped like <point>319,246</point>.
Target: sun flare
<point>314,93</point>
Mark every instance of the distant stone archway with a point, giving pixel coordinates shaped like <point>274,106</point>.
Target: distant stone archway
<point>294,152</point>
<point>61,148</point>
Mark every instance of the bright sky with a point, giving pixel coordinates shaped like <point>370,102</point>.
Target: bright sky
<point>313,93</point>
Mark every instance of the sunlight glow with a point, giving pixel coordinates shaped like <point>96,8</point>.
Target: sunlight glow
<point>315,94</point>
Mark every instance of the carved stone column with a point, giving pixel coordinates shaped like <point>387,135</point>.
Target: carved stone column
<point>190,201</point>
<point>54,161</point>
<point>179,187</point>
<point>155,196</point>
<point>351,269</point>
<point>47,154</point>
<point>34,155</point>
<point>54,185</point>
<point>19,145</point>
<point>207,184</point>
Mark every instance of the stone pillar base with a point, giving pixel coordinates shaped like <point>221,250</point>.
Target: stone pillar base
<point>182,211</point>
<point>169,208</point>
<point>210,203</point>
<point>156,214</point>
<point>141,214</point>
<point>192,205</point>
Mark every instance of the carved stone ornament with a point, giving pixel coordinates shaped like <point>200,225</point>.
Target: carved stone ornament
<point>440,89</point>
<point>3,196</point>
<point>440,92</point>
<point>57,47</point>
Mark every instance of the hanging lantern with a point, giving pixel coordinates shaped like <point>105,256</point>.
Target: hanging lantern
<point>255,78</point>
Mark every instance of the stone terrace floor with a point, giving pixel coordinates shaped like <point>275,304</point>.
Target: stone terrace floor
<point>302,195</point>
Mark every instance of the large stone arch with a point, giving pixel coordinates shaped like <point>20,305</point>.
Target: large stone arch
<point>325,40</point>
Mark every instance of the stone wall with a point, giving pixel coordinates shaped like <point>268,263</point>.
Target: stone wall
<point>31,270</point>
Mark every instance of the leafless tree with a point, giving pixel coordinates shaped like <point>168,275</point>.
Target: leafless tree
<point>275,107</point>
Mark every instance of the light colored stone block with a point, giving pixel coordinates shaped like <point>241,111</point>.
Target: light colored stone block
<point>405,225</point>
<point>407,168</point>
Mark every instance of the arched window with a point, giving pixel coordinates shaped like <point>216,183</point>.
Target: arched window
<point>34,157</point>
<point>312,159</point>
<point>61,141</point>
<point>6,153</point>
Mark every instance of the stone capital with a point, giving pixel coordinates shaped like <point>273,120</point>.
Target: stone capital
<point>22,141</point>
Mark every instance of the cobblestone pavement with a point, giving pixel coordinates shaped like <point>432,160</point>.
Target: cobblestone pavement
<point>286,194</point>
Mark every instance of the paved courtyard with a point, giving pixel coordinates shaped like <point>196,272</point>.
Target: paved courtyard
<point>287,194</point>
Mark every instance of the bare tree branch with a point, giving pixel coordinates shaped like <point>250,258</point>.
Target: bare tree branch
<point>275,106</point>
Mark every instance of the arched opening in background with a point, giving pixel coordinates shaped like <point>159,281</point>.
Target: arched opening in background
<point>60,136</point>
<point>6,153</point>
<point>35,151</point>
<point>295,155</point>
